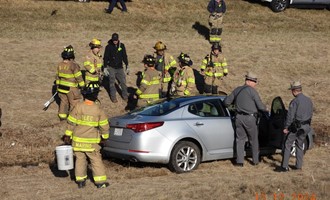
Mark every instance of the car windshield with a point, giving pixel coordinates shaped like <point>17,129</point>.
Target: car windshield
<point>157,109</point>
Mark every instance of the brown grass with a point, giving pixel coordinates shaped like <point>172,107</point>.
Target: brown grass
<point>279,47</point>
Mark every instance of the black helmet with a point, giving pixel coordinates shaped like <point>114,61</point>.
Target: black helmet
<point>68,53</point>
<point>216,46</point>
<point>185,59</point>
<point>91,91</point>
<point>149,60</point>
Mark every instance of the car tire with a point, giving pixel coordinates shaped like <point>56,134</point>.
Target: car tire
<point>185,157</point>
<point>294,148</point>
<point>279,5</point>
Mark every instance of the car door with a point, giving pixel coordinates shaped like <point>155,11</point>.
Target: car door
<point>213,125</point>
<point>276,123</point>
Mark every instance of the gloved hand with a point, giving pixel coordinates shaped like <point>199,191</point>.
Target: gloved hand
<point>225,74</point>
<point>106,72</point>
<point>127,70</point>
<point>66,139</point>
<point>102,142</point>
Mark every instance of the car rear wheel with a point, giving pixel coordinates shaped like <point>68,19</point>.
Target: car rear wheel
<point>294,148</point>
<point>279,5</point>
<point>185,157</point>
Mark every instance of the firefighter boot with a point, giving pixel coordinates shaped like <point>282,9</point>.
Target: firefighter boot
<point>81,184</point>
<point>102,185</point>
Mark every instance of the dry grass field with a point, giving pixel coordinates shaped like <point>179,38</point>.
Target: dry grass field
<point>279,47</point>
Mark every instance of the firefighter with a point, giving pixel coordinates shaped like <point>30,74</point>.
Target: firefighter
<point>88,128</point>
<point>165,64</point>
<point>150,86</point>
<point>214,68</point>
<point>217,9</point>
<point>184,79</point>
<point>93,63</point>
<point>68,79</point>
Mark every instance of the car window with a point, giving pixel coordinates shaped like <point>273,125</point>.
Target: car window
<point>210,108</point>
<point>157,109</point>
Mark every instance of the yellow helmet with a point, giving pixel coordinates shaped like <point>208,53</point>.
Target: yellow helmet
<point>95,43</point>
<point>159,46</point>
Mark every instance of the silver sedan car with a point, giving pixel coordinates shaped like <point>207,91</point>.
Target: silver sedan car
<point>182,132</point>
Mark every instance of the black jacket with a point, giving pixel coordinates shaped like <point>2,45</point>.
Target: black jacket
<point>115,55</point>
<point>213,6</point>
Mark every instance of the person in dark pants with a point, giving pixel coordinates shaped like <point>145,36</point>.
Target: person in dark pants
<point>297,126</point>
<point>113,3</point>
<point>247,102</point>
<point>114,57</point>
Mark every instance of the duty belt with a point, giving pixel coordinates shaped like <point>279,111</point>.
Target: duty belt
<point>244,113</point>
<point>305,122</point>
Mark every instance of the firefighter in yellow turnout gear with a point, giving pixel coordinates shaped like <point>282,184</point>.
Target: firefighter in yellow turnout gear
<point>87,128</point>
<point>93,63</point>
<point>214,68</point>
<point>68,79</point>
<point>166,64</point>
<point>184,79</point>
<point>150,87</point>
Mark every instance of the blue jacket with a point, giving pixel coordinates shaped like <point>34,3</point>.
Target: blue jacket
<point>216,7</point>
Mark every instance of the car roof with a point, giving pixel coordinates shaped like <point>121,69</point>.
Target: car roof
<point>182,101</point>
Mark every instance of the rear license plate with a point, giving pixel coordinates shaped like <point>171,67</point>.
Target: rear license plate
<point>118,132</point>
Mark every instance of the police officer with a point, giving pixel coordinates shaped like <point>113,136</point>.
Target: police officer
<point>87,127</point>
<point>247,103</point>
<point>150,86</point>
<point>217,9</point>
<point>68,79</point>
<point>214,67</point>
<point>93,62</point>
<point>297,126</point>
<point>184,79</point>
<point>114,57</point>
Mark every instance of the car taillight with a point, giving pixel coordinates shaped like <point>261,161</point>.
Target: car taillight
<point>144,126</point>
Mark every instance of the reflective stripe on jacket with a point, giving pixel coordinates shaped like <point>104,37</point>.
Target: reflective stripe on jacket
<point>68,75</point>
<point>87,125</point>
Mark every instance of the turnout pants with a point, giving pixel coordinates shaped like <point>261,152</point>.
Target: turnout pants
<point>299,138</point>
<point>246,129</point>
<point>215,22</point>
<point>68,101</point>
<point>97,165</point>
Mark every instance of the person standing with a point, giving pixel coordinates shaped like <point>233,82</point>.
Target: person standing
<point>217,9</point>
<point>87,128</point>
<point>166,64</point>
<point>150,87</point>
<point>214,68</point>
<point>93,63</point>
<point>184,79</point>
<point>114,57</point>
<point>113,3</point>
<point>297,126</point>
<point>247,103</point>
<point>68,79</point>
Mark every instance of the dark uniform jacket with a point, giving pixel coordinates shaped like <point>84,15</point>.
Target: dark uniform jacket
<point>115,55</point>
<point>300,108</point>
<point>214,6</point>
<point>246,100</point>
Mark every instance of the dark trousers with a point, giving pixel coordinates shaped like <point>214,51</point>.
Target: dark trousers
<point>299,138</point>
<point>246,129</point>
<point>112,4</point>
<point>117,74</point>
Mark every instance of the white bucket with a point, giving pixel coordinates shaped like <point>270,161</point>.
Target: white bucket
<point>64,156</point>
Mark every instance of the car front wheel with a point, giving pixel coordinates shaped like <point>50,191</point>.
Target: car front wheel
<point>279,5</point>
<point>185,157</point>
